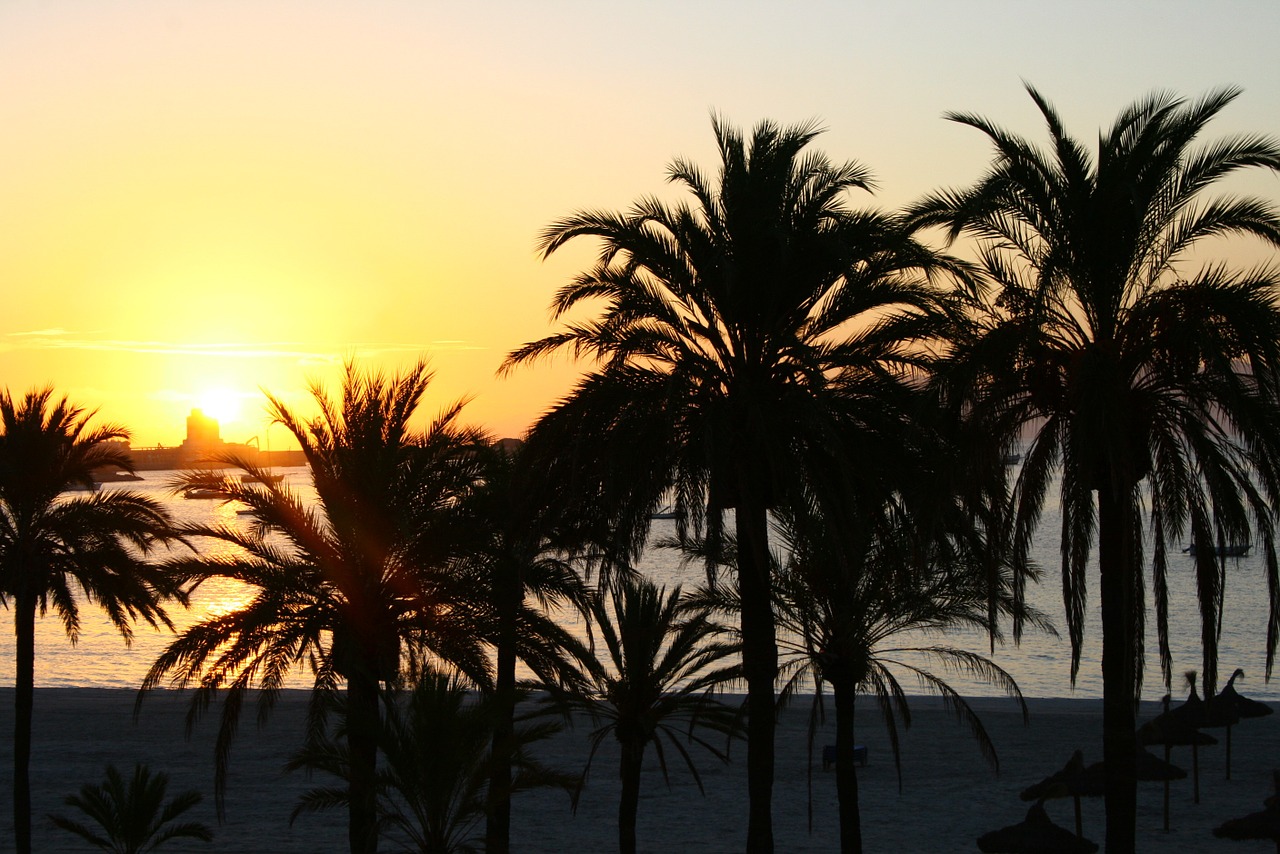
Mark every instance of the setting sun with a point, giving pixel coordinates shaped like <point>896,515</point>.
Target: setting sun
<point>228,408</point>
<point>220,404</point>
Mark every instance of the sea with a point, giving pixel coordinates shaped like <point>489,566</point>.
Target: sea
<point>1040,663</point>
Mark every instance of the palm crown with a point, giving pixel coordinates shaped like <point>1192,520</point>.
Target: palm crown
<point>1130,369</point>
<point>1137,376</point>
<point>353,586</point>
<point>727,314</point>
<point>58,551</point>
<point>726,332</point>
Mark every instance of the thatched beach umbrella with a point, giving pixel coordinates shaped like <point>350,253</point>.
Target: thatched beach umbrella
<point>1264,824</point>
<point>1077,781</point>
<point>1243,706</point>
<point>1228,705</point>
<point>1035,834</point>
<point>1150,768</point>
<point>1180,726</point>
<point>1070,782</point>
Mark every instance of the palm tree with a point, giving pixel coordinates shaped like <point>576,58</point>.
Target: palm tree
<point>55,548</point>
<point>721,324</point>
<point>905,543</point>
<point>854,583</point>
<point>1149,386</point>
<point>349,587</point>
<point>132,816</point>
<point>663,662</point>
<point>435,783</point>
<point>525,569</point>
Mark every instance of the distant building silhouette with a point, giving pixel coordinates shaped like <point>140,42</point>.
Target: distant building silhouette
<point>203,443</point>
<point>202,434</point>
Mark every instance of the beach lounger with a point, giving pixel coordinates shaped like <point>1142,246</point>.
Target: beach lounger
<point>829,755</point>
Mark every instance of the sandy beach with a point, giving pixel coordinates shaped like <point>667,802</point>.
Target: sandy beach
<point>949,795</point>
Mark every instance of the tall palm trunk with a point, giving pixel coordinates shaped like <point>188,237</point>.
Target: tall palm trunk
<point>846,692</point>
<point>760,666</point>
<point>24,618</point>
<point>362,744</point>
<point>1119,712</point>
<point>498,821</point>
<point>629,804</point>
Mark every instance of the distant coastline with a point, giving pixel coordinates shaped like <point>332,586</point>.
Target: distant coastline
<point>203,448</point>
<point>162,458</point>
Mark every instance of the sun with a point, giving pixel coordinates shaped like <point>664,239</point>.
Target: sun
<point>220,404</point>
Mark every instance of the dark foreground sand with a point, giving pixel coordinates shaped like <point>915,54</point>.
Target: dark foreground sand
<point>949,795</point>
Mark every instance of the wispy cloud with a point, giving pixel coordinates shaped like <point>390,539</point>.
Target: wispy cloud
<point>61,339</point>
<point>39,333</point>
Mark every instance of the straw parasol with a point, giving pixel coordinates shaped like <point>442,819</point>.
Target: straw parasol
<point>1228,705</point>
<point>1077,781</point>
<point>1070,782</point>
<point>1035,834</point>
<point>1264,824</point>
<point>1180,726</point>
<point>1243,706</point>
<point>1149,768</point>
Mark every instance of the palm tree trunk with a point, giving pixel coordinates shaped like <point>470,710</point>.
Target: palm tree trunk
<point>846,693</point>
<point>1119,713</point>
<point>629,804</point>
<point>498,820</point>
<point>362,744</point>
<point>24,618</point>
<point>760,666</point>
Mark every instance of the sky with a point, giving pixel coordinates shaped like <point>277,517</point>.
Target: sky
<point>203,200</point>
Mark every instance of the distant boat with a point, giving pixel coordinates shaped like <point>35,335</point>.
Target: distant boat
<point>115,476</point>
<point>203,492</point>
<point>269,479</point>
<point>1234,550</point>
<point>667,512</point>
<point>1012,459</point>
<point>202,484</point>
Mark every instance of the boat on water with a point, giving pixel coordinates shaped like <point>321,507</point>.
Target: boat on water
<point>203,484</point>
<point>667,512</point>
<point>1233,550</point>
<point>268,479</point>
<point>203,492</point>
<point>102,476</point>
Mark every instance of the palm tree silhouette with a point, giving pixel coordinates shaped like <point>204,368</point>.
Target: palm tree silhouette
<point>132,816</point>
<point>851,586</point>
<point>349,587</point>
<point>52,546</point>
<point>525,568</point>
<point>662,663</point>
<point>435,779</point>
<point>1150,387</point>
<point>722,324</point>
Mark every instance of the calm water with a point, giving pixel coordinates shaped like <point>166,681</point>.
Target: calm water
<point>1040,664</point>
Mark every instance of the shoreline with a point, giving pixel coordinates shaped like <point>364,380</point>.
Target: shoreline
<point>949,795</point>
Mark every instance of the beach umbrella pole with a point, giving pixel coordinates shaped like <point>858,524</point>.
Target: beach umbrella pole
<point>1195,769</point>
<point>1229,761</point>
<point>1167,751</point>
